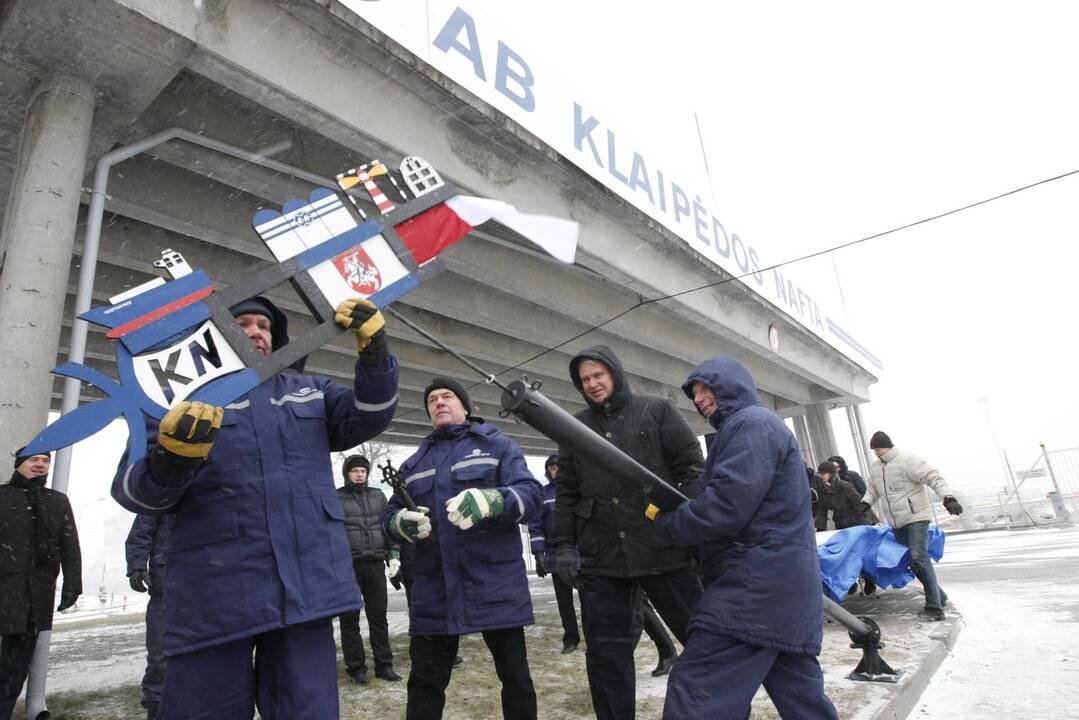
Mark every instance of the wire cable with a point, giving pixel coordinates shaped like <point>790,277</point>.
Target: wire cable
<point>490,377</point>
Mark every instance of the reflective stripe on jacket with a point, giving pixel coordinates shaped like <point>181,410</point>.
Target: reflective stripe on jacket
<point>258,540</point>
<point>465,581</point>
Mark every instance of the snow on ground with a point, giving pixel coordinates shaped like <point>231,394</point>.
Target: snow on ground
<point>1018,656</point>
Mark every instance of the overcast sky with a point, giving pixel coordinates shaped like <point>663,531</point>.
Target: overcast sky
<point>824,123</point>
<point>827,122</point>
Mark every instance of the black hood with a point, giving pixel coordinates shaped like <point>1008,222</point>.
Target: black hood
<point>551,460</point>
<point>841,462</point>
<point>603,354</point>
<point>261,305</point>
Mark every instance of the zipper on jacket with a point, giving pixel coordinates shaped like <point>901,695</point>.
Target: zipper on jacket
<point>884,482</point>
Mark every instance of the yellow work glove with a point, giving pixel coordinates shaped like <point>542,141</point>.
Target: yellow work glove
<point>362,317</point>
<point>186,436</point>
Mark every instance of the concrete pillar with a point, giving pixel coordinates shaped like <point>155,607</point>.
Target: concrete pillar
<point>39,235</point>
<point>861,442</point>
<point>801,433</point>
<point>821,434</point>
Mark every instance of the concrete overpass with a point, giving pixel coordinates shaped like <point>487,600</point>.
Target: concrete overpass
<point>324,91</point>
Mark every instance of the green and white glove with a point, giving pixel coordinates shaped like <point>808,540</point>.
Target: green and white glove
<point>393,564</point>
<point>411,525</point>
<point>468,507</point>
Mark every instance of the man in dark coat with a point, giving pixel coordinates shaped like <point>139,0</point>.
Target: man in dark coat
<point>601,516</point>
<point>37,539</point>
<point>363,507</point>
<point>145,551</point>
<point>761,616</point>
<point>466,566</point>
<point>540,528</point>
<point>258,560</point>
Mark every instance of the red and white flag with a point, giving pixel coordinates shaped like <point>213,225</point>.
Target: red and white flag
<point>434,230</point>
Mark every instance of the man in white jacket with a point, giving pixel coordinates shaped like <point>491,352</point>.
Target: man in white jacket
<point>901,481</point>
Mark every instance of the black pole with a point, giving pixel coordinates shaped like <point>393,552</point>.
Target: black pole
<point>532,408</point>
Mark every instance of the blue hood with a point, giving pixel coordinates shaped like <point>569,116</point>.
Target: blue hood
<point>730,382</point>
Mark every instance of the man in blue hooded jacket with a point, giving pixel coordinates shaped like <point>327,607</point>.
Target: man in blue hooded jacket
<point>540,527</point>
<point>467,568</point>
<point>145,553</point>
<point>760,619</point>
<point>258,561</point>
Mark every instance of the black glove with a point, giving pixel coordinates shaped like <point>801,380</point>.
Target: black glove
<point>952,505</point>
<point>185,437</point>
<point>863,508</point>
<point>567,566</point>
<point>139,580</point>
<point>395,580</point>
<point>541,565</point>
<point>67,599</point>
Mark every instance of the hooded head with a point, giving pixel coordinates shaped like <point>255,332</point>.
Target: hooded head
<point>259,305</point>
<point>605,356</point>
<point>730,383</point>
<point>552,461</point>
<point>838,460</point>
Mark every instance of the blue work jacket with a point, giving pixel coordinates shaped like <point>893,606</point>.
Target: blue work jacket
<point>541,529</point>
<point>466,581</point>
<point>258,538</point>
<point>751,523</point>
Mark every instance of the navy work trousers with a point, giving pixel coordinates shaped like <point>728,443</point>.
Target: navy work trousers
<point>609,606</point>
<point>153,680</point>
<point>717,676</point>
<point>432,662</point>
<point>292,676</point>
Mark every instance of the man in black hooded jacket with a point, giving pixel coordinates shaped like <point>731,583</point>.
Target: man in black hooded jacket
<point>38,537</point>
<point>601,515</point>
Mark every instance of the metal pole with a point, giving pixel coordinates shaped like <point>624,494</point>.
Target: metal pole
<point>1018,497</point>
<point>1000,454</point>
<point>1049,466</point>
<point>863,443</point>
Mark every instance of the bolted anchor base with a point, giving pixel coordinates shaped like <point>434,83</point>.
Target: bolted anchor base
<point>872,667</point>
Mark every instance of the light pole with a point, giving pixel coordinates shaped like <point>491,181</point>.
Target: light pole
<point>1008,477</point>
<point>1000,454</point>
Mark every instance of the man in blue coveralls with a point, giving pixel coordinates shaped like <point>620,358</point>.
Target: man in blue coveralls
<point>761,615</point>
<point>467,567</point>
<point>257,559</point>
<point>145,552</point>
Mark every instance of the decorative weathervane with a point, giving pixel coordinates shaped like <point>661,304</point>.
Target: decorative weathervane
<point>177,340</point>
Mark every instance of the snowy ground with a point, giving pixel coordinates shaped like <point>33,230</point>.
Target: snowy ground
<point>1018,656</point>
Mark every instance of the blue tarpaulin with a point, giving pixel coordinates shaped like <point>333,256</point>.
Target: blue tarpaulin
<point>872,549</point>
